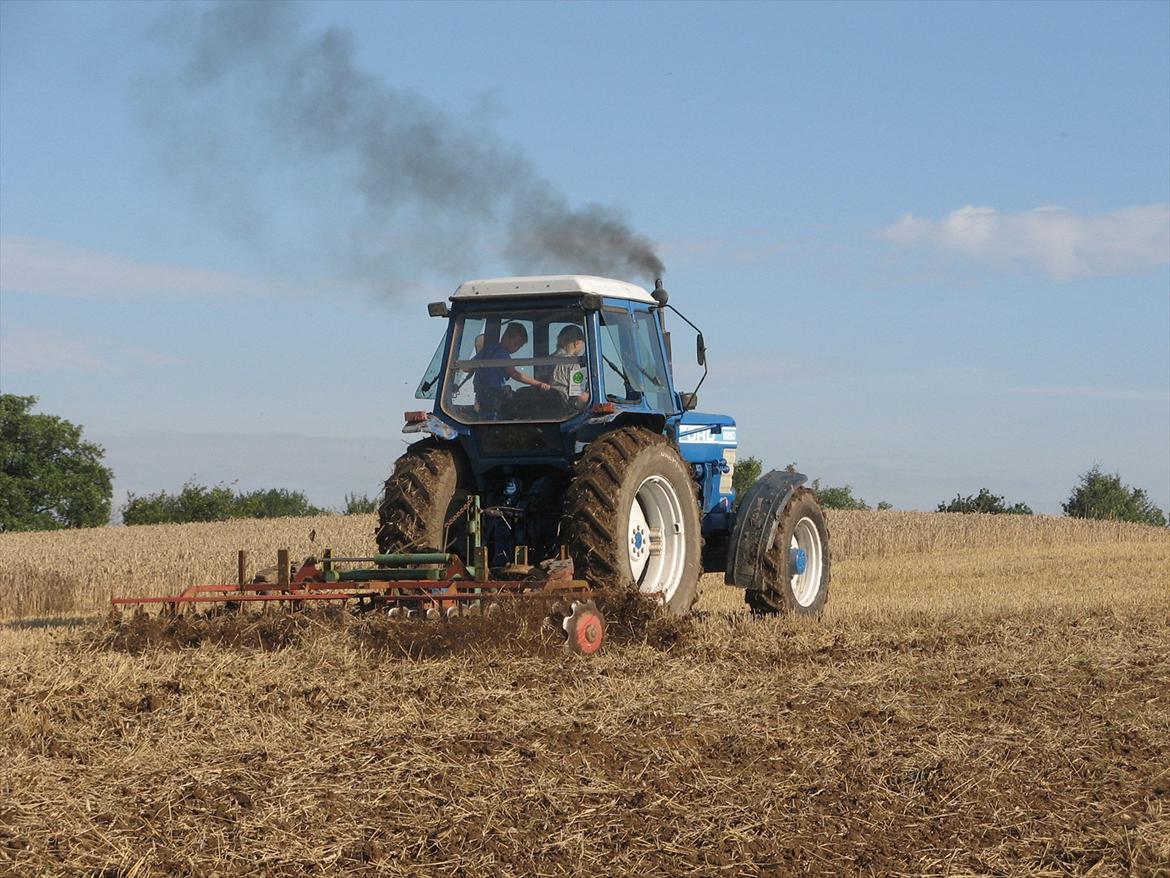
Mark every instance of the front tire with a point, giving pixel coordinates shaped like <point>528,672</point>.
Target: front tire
<point>797,563</point>
<point>632,518</point>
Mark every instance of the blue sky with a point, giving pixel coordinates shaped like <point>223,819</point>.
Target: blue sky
<point>928,243</point>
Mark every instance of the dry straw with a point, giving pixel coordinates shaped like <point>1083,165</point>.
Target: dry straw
<point>76,572</point>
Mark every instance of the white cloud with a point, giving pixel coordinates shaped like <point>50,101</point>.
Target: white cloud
<point>28,349</point>
<point>53,268</point>
<point>1060,242</point>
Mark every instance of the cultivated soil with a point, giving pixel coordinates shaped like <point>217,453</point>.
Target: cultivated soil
<point>958,711</point>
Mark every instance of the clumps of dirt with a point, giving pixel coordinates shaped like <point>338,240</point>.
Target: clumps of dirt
<point>265,631</point>
<point>521,627</point>
<point>632,618</point>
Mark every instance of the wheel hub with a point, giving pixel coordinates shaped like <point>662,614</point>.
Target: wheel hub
<point>806,556</point>
<point>799,561</point>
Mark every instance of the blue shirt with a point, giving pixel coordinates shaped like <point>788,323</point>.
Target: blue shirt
<point>491,378</point>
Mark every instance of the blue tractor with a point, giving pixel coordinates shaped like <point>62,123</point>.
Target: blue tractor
<point>556,430</point>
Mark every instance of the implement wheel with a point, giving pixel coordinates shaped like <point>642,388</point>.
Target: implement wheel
<point>796,566</point>
<point>632,518</point>
<point>422,495</point>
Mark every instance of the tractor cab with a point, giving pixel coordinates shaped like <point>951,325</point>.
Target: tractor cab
<point>548,350</point>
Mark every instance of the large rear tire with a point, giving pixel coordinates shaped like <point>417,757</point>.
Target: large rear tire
<point>632,518</point>
<point>796,565</point>
<point>423,493</point>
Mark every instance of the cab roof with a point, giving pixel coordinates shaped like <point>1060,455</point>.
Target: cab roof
<point>496,287</point>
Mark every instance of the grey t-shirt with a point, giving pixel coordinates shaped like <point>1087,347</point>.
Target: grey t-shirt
<point>571,379</point>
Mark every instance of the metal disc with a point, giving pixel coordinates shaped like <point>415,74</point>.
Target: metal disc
<point>584,628</point>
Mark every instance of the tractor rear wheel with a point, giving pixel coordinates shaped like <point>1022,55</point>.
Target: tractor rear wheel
<point>797,563</point>
<point>423,494</point>
<point>632,518</point>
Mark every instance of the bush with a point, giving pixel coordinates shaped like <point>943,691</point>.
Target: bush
<point>275,503</point>
<point>200,503</point>
<point>1104,496</point>
<point>359,504</point>
<point>838,498</point>
<point>985,502</point>
<point>747,471</point>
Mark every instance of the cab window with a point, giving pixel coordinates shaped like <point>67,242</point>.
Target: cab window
<point>515,366</point>
<point>631,359</point>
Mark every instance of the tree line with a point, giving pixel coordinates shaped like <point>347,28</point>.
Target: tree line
<point>50,477</point>
<point>1096,495</point>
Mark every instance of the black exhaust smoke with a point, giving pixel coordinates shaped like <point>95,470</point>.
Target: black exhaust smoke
<point>387,183</point>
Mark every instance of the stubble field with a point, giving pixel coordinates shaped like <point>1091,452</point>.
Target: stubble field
<point>984,696</point>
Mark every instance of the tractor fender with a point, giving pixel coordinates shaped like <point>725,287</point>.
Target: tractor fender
<point>756,518</point>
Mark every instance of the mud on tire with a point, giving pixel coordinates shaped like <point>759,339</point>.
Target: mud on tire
<point>422,494</point>
<point>787,592</point>
<point>616,470</point>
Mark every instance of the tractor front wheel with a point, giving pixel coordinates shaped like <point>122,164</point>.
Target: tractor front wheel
<point>632,518</point>
<point>797,563</point>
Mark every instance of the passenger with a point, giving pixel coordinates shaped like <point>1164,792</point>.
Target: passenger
<point>491,382</point>
<point>571,379</point>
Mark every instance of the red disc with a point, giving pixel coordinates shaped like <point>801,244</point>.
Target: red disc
<point>589,632</point>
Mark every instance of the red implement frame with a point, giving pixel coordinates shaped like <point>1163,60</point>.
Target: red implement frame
<point>455,589</point>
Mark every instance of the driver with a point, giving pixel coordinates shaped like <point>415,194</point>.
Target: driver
<point>491,382</point>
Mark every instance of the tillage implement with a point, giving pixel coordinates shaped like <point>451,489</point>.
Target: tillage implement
<point>558,461</point>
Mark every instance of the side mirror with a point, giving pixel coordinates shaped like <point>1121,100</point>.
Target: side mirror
<point>438,309</point>
<point>689,401</point>
<point>700,350</point>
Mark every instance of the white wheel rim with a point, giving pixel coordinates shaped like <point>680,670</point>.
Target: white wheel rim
<point>656,538</point>
<point>805,585</point>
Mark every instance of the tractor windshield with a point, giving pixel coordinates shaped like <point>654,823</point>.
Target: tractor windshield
<point>519,365</point>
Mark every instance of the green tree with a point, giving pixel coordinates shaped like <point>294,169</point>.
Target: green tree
<point>196,502</point>
<point>50,477</point>
<point>1104,496</point>
<point>359,504</point>
<point>883,506</point>
<point>746,472</point>
<point>838,498</point>
<point>833,498</point>
<point>985,502</point>
<point>274,503</point>
<point>193,503</point>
